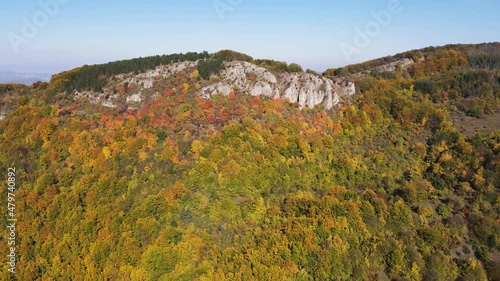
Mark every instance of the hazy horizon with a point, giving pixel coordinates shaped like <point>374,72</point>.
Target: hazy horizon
<point>49,36</point>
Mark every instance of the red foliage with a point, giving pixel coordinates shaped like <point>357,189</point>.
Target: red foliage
<point>238,112</point>
<point>207,104</point>
<point>257,100</point>
<point>210,118</point>
<point>223,114</point>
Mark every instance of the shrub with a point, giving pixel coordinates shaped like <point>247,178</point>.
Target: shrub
<point>293,67</point>
<point>207,67</point>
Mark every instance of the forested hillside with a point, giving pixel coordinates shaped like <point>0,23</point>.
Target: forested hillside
<point>239,187</point>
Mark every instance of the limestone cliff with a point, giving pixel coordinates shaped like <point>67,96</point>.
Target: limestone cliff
<point>306,89</point>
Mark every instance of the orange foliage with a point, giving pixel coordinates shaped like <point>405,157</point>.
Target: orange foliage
<point>174,193</point>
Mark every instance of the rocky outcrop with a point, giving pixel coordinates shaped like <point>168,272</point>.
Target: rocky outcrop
<point>144,80</point>
<point>134,98</point>
<point>147,78</point>
<point>304,88</point>
<point>401,64</point>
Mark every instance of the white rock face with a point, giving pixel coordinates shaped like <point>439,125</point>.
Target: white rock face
<point>403,64</point>
<point>221,87</point>
<point>97,98</point>
<point>134,98</point>
<point>304,88</point>
<point>262,89</point>
<point>109,104</point>
<point>92,97</point>
<point>147,78</point>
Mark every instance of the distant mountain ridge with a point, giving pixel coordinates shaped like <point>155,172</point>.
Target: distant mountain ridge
<point>479,56</point>
<point>23,78</point>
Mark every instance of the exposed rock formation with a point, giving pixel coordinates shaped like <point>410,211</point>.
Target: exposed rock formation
<point>393,66</point>
<point>304,88</point>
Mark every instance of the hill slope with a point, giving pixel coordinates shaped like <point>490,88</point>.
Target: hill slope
<point>152,176</point>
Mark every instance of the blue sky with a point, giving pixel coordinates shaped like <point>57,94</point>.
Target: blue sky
<point>315,34</point>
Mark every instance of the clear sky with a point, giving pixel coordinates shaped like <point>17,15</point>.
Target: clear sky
<point>49,36</point>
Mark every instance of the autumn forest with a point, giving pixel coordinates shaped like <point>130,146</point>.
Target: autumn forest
<point>391,184</point>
